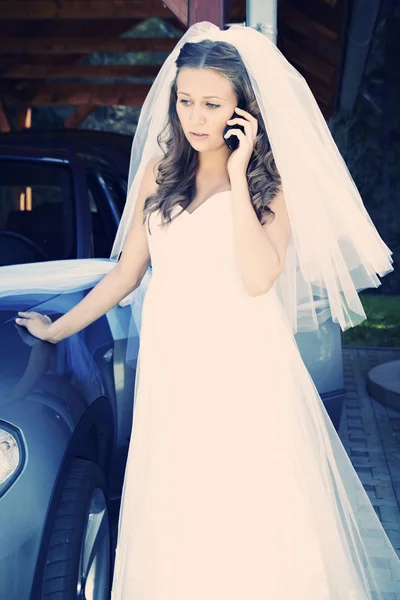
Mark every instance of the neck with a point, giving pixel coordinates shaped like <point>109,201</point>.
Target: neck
<point>213,162</point>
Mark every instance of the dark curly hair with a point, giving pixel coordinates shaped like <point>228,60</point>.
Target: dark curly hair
<point>176,176</point>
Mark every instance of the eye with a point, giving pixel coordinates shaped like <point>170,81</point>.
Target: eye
<point>209,104</point>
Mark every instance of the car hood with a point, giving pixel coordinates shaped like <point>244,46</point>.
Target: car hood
<point>23,287</point>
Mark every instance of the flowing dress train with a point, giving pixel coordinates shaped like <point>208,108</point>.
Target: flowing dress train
<point>237,486</point>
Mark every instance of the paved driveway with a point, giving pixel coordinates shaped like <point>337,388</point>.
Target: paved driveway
<point>370,432</point>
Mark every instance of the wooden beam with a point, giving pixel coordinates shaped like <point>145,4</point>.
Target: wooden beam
<point>203,10</point>
<point>330,54</point>
<point>329,15</point>
<point>5,124</point>
<point>323,94</point>
<point>82,9</point>
<point>94,71</point>
<point>180,8</point>
<point>293,18</point>
<point>310,62</point>
<point>78,116</point>
<point>58,45</point>
<point>97,94</point>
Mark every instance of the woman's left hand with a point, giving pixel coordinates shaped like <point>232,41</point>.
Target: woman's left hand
<point>239,159</point>
<point>36,323</point>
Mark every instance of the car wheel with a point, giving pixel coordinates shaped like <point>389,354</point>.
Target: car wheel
<point>78,558</point>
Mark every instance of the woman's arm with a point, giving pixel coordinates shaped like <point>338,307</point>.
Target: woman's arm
<point>260,249</point>
<point>113,287</point>
<point>110,290</point>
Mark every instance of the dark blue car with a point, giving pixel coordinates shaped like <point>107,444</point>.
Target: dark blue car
<point>66,409</point>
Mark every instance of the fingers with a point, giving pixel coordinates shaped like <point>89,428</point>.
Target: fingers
<point>245,124</point>
<point>29,315</point>
<point>232,131</point>
<point>24,320</point>
<point>239,133</point>
<point>238,120</point>
<point>245,113</point>
<point>249,128</point>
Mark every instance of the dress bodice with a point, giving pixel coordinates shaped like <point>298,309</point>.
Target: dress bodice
<point>196,250</point>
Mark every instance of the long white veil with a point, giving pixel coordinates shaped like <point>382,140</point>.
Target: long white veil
<point>334,251</point>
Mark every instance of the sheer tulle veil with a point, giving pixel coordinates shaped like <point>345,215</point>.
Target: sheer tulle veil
<point>334,251</point>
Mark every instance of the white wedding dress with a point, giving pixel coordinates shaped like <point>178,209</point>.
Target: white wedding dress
<point>237,486</point>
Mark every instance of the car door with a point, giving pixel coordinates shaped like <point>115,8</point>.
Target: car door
<point>107,195</point>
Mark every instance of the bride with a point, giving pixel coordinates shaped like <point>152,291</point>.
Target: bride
<point>236,485</point>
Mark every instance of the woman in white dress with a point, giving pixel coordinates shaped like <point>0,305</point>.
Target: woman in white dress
<point>236,485</point>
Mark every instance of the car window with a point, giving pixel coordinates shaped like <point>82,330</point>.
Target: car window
<point>105,214</point>
<point>101,238</point>
<point>117,190</point>
<point>36,213</point>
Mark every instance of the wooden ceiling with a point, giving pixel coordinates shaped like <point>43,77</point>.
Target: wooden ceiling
<point>43,42</point>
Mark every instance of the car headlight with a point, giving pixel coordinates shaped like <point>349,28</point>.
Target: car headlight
<point>11,454</point>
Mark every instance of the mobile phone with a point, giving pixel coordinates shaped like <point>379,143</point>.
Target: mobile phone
<point>233,141</point>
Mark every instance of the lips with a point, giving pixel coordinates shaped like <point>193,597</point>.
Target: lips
<point>199,134</point>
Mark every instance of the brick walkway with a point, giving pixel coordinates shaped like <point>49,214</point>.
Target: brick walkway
<point>370,433</point>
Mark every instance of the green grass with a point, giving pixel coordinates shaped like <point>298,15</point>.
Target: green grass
<point>382,326</point>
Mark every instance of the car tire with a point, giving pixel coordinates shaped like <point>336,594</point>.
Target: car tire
<point>78,558</point>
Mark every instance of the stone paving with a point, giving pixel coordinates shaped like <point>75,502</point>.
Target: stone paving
<point>370,433</point>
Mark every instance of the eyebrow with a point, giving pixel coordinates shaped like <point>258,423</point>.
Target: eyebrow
<point>203,96</point>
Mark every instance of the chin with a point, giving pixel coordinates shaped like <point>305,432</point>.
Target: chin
<point>202,147</point>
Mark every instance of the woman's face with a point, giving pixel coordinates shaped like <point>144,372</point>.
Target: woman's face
<point>205,102</point>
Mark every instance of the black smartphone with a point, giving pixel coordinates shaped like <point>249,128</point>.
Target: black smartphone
<point>233,141</point>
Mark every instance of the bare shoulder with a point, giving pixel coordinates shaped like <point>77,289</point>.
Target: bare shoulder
<point>136,254</point>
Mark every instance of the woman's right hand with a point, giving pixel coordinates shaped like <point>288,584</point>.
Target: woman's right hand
<point>37,324</point>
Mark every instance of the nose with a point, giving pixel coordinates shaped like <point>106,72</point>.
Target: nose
<point>196,115</point>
